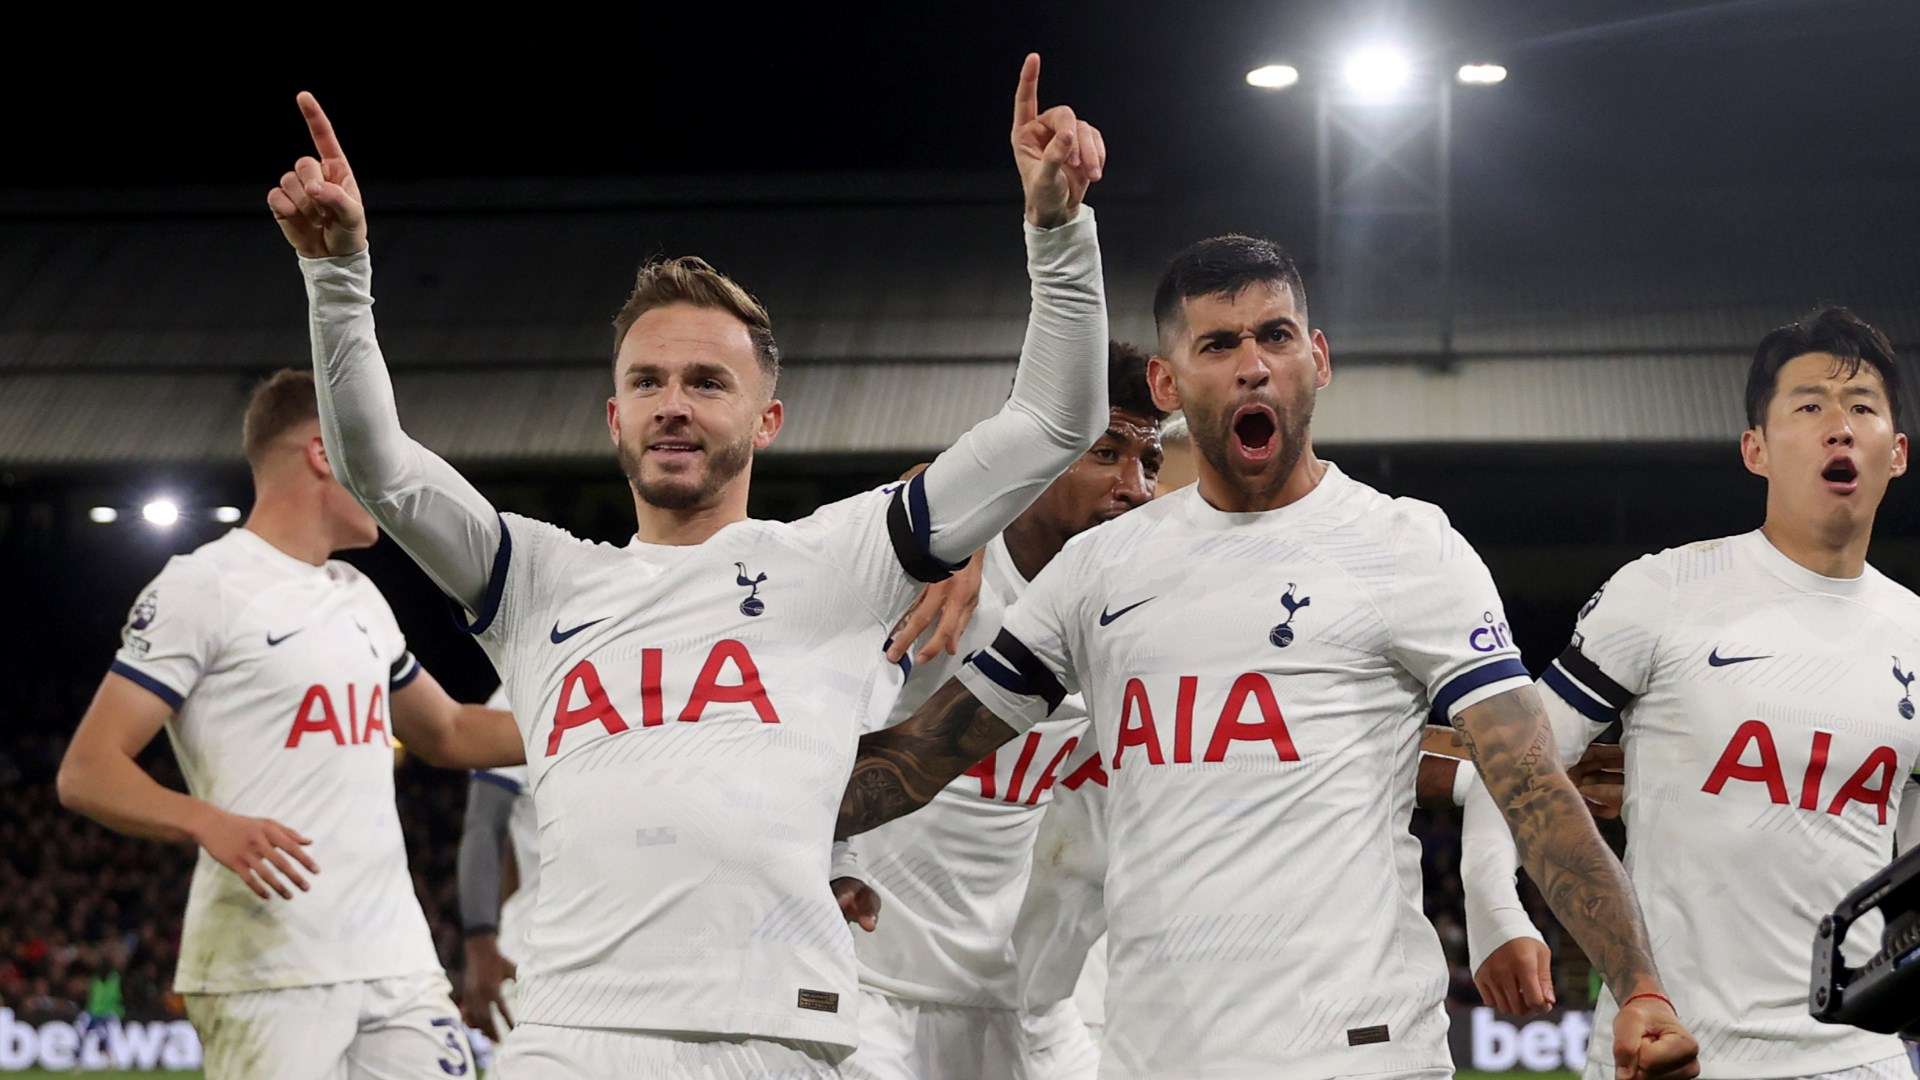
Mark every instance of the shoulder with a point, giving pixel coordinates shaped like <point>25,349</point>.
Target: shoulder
<point>834,518</point>
<point>1894,598</point>
<point>194,580</point>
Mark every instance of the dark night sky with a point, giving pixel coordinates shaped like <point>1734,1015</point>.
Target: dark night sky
<point>1601,93</point>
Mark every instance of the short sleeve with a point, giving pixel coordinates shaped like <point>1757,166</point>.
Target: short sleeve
<point>402,666</point>
<point>173,632</point>
<point>1608,662</point>
<point>881,539</point>
<point>1448,627</point>
<point>1025,674</point>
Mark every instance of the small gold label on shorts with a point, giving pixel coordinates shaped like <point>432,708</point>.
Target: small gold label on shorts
<point>819,1001</point>
<point>1365,1035</point>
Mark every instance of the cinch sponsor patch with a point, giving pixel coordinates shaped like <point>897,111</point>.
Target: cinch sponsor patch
<point>1364,1036</point>
<point>821,1001</point>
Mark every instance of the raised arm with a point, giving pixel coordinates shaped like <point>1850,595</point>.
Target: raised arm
<point>899,769</point>
<point>423,503</point>
<point>1059,403</point>
<point>1512,743</point>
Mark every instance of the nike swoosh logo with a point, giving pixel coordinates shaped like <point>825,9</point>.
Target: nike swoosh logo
<point>559,636</point>
<point>1108,616</point>
<point>1714,659</point>
<point>272,641</point>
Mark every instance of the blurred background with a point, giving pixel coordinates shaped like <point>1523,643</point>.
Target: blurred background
<point>1542,238</point>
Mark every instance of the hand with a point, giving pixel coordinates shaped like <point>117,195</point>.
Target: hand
<point>951,601</point>
<point>1650,1043</point>
<point>1517,978</point>
<point>254,848</point>
<point>480,986</point>
<point>318,203</point>
<point>858,902</point>
<point>1601,776</point>
<point>1059,154</point>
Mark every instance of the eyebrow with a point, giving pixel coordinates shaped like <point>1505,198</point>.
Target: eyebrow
<point>1845,391</point>
<point>1287,321</point>
<point>699,369</point>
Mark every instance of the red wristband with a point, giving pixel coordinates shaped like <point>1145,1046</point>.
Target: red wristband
<point>1650,994</point>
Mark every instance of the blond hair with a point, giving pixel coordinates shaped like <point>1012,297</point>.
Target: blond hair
<point>690,279</point>
<point>283,400</point>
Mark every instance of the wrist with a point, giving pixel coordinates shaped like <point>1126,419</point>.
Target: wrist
<point>1646,990</point>
<point>1048,217</point>
<point>199,819</point>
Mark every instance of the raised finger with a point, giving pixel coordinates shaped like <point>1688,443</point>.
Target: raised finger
<point>1026,95</point>
<point>318,126</point>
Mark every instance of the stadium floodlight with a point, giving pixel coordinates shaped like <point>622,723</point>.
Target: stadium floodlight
<point>1273,76</point>
<point>103,515</point>
<point>161,513</point>
<point>1378,72</point>
<point>1482,74</point>
<point>226,515</point>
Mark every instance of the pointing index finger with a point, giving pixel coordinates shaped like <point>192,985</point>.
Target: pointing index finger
<point>320,128</point>
<point>1026,97</point>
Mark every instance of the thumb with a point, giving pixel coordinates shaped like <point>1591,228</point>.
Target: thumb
<point>1060,149</point>
<point>1545,960</point>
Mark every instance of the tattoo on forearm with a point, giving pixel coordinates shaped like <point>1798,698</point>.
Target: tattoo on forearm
<point>900,769</point>
<point>1512,744</point>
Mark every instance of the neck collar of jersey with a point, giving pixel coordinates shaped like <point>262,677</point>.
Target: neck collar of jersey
<point>260,548</point>
<point>1205,515</point>
<point>1002,574</point>
<point>1799,576</point>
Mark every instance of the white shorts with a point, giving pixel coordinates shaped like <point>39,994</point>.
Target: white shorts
<point>1893,1068</point>
<point>398,1028</point>
<point>548,1052</point>
<point>911,1040</point>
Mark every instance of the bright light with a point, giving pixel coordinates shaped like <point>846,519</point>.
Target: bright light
<point>103,515</point>
<point>1482,74</point>
<point>1377,73</point>
<point>226,515</point>
<point>1273,76</point>
<point>161,512</point>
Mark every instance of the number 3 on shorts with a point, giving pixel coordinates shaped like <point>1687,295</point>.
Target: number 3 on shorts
<point>456,1046</point>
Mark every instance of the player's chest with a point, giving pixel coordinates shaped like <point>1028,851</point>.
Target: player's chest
<point>310,669</point>
<point>1802,705</point>
<point>698,645</point>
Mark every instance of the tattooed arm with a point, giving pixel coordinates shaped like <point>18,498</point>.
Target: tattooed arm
<point>1511,740</point>
<point>899,769</point>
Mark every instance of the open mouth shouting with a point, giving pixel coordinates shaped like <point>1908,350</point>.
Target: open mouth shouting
<point>1841,475</point>
<point>1254,433</point>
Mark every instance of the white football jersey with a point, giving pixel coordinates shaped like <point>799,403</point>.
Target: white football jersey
<point>691,715</point>
<point>279,673</point>
<point>1769,730</point>
<point>1060,936</point>
<point>951,874</point>
<point>1258,682</point>
<point>523,834</point>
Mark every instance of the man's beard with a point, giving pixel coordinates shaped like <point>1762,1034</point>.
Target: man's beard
<point>1212,432</point>
<point>684,492</point>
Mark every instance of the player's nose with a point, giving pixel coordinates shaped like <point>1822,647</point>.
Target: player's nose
<point>1131,486</point>
<point>1250,365</point>
<point>1842,432</point>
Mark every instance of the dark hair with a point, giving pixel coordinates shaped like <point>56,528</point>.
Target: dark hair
<point>1222,266</point>
<point>1835,330</point>
<point>690,279</point>
<point>1127,381</point>
<point>282,401</point>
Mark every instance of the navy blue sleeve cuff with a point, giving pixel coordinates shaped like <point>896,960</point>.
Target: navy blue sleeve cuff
<point>496,584</point>
<point>149,683</point>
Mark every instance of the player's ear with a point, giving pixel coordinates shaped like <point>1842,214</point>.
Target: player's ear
<point>1899,455</point>
<point>613,421</point>
<point>315,453</point>
<point>1753,450</point>
<point>1322,360</point>
<point>1166,396</point>
<point>771,418</point>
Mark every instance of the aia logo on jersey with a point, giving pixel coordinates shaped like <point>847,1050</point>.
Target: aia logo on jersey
<point>1250,713</point>
<point>987,770</point>
<point>752,605</point>
<point>1905,679</point>
<point>1492,637</point>
<point>1871,783</point>
<point>144,611</point>
<point>1282,634</point>
<point>583,680</point>
<point>316,716</point>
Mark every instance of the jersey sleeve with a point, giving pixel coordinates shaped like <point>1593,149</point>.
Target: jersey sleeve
<point>880,540</point>
<point>173,632</point>
<point>528,568</point>
<point>1608,662</point>
<point>1028,670</point>
<point>1488,863</point>
<point>402,666</point>
<point>1448,627</point>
